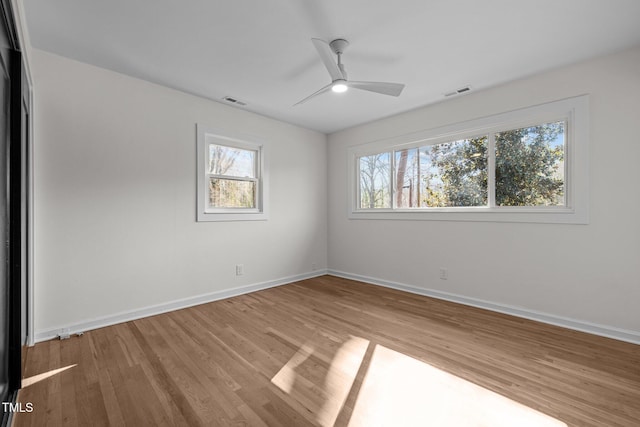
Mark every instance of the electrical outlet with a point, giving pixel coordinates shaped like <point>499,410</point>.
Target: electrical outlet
<point>444,274</point>
<point>239,269</point>
<point>314,267</point>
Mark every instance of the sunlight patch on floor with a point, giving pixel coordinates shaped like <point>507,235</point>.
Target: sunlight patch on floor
<point>327,390</point>
<point>400,390</point>
<point>26,382</point>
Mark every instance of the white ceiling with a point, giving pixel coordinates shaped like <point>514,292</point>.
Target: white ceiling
<point>260,52</point>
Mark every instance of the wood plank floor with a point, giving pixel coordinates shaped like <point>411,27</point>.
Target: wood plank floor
<point>330,351</point>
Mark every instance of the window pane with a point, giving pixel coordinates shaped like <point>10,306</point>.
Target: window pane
<point>375,172</point>
<point>232,161</point>
<point>408,189</point>
<point>530,166</point>
<point>454,174</point>
<point>231,193</point>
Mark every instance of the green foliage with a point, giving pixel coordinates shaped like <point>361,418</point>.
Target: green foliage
<point>528,169</point>
<point>528,166</point>
<point>462,168</point>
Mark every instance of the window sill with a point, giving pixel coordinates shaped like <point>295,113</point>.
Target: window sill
<point>232,216</point>
<point>527,215</point>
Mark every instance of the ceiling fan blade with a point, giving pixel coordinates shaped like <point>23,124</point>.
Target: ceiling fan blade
<point>327,56</point>
<point>323,90</point>
<point>393,89</point>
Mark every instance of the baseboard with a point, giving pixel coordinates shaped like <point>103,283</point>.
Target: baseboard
<point>578,325</point>
<point>126,316</point>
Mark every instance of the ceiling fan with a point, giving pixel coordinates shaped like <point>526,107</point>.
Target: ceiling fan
<point>339,82</point>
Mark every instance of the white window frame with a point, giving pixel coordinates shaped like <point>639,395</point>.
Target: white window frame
<point>207,136</point>
<point>573,111</point>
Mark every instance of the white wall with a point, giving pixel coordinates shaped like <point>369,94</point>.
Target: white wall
<point>115,204</point>
<point>588,273</point>
<point>115,185</point>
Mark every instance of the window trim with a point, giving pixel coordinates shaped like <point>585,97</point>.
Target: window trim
<point>235,140</point>
<point>573,111</point>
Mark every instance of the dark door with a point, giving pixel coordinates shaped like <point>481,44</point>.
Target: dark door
<point>14,111</point>
<point>17,218</point>
<point>5,288</point>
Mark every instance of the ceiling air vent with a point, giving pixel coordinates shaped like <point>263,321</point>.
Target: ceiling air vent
<point>458,91</point>
<point>235,101</point>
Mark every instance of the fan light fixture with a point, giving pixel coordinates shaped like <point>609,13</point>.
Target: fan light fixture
<point>339,87</point>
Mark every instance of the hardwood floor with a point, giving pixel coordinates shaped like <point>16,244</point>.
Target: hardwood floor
<point>331,351</point>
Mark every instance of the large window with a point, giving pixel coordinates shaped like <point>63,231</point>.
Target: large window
<point>231,178</point>
<point>528,165</point>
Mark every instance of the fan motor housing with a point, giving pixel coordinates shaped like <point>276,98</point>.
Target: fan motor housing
<point>339,45</point>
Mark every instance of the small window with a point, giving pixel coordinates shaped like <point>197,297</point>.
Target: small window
<point>230,178</point>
